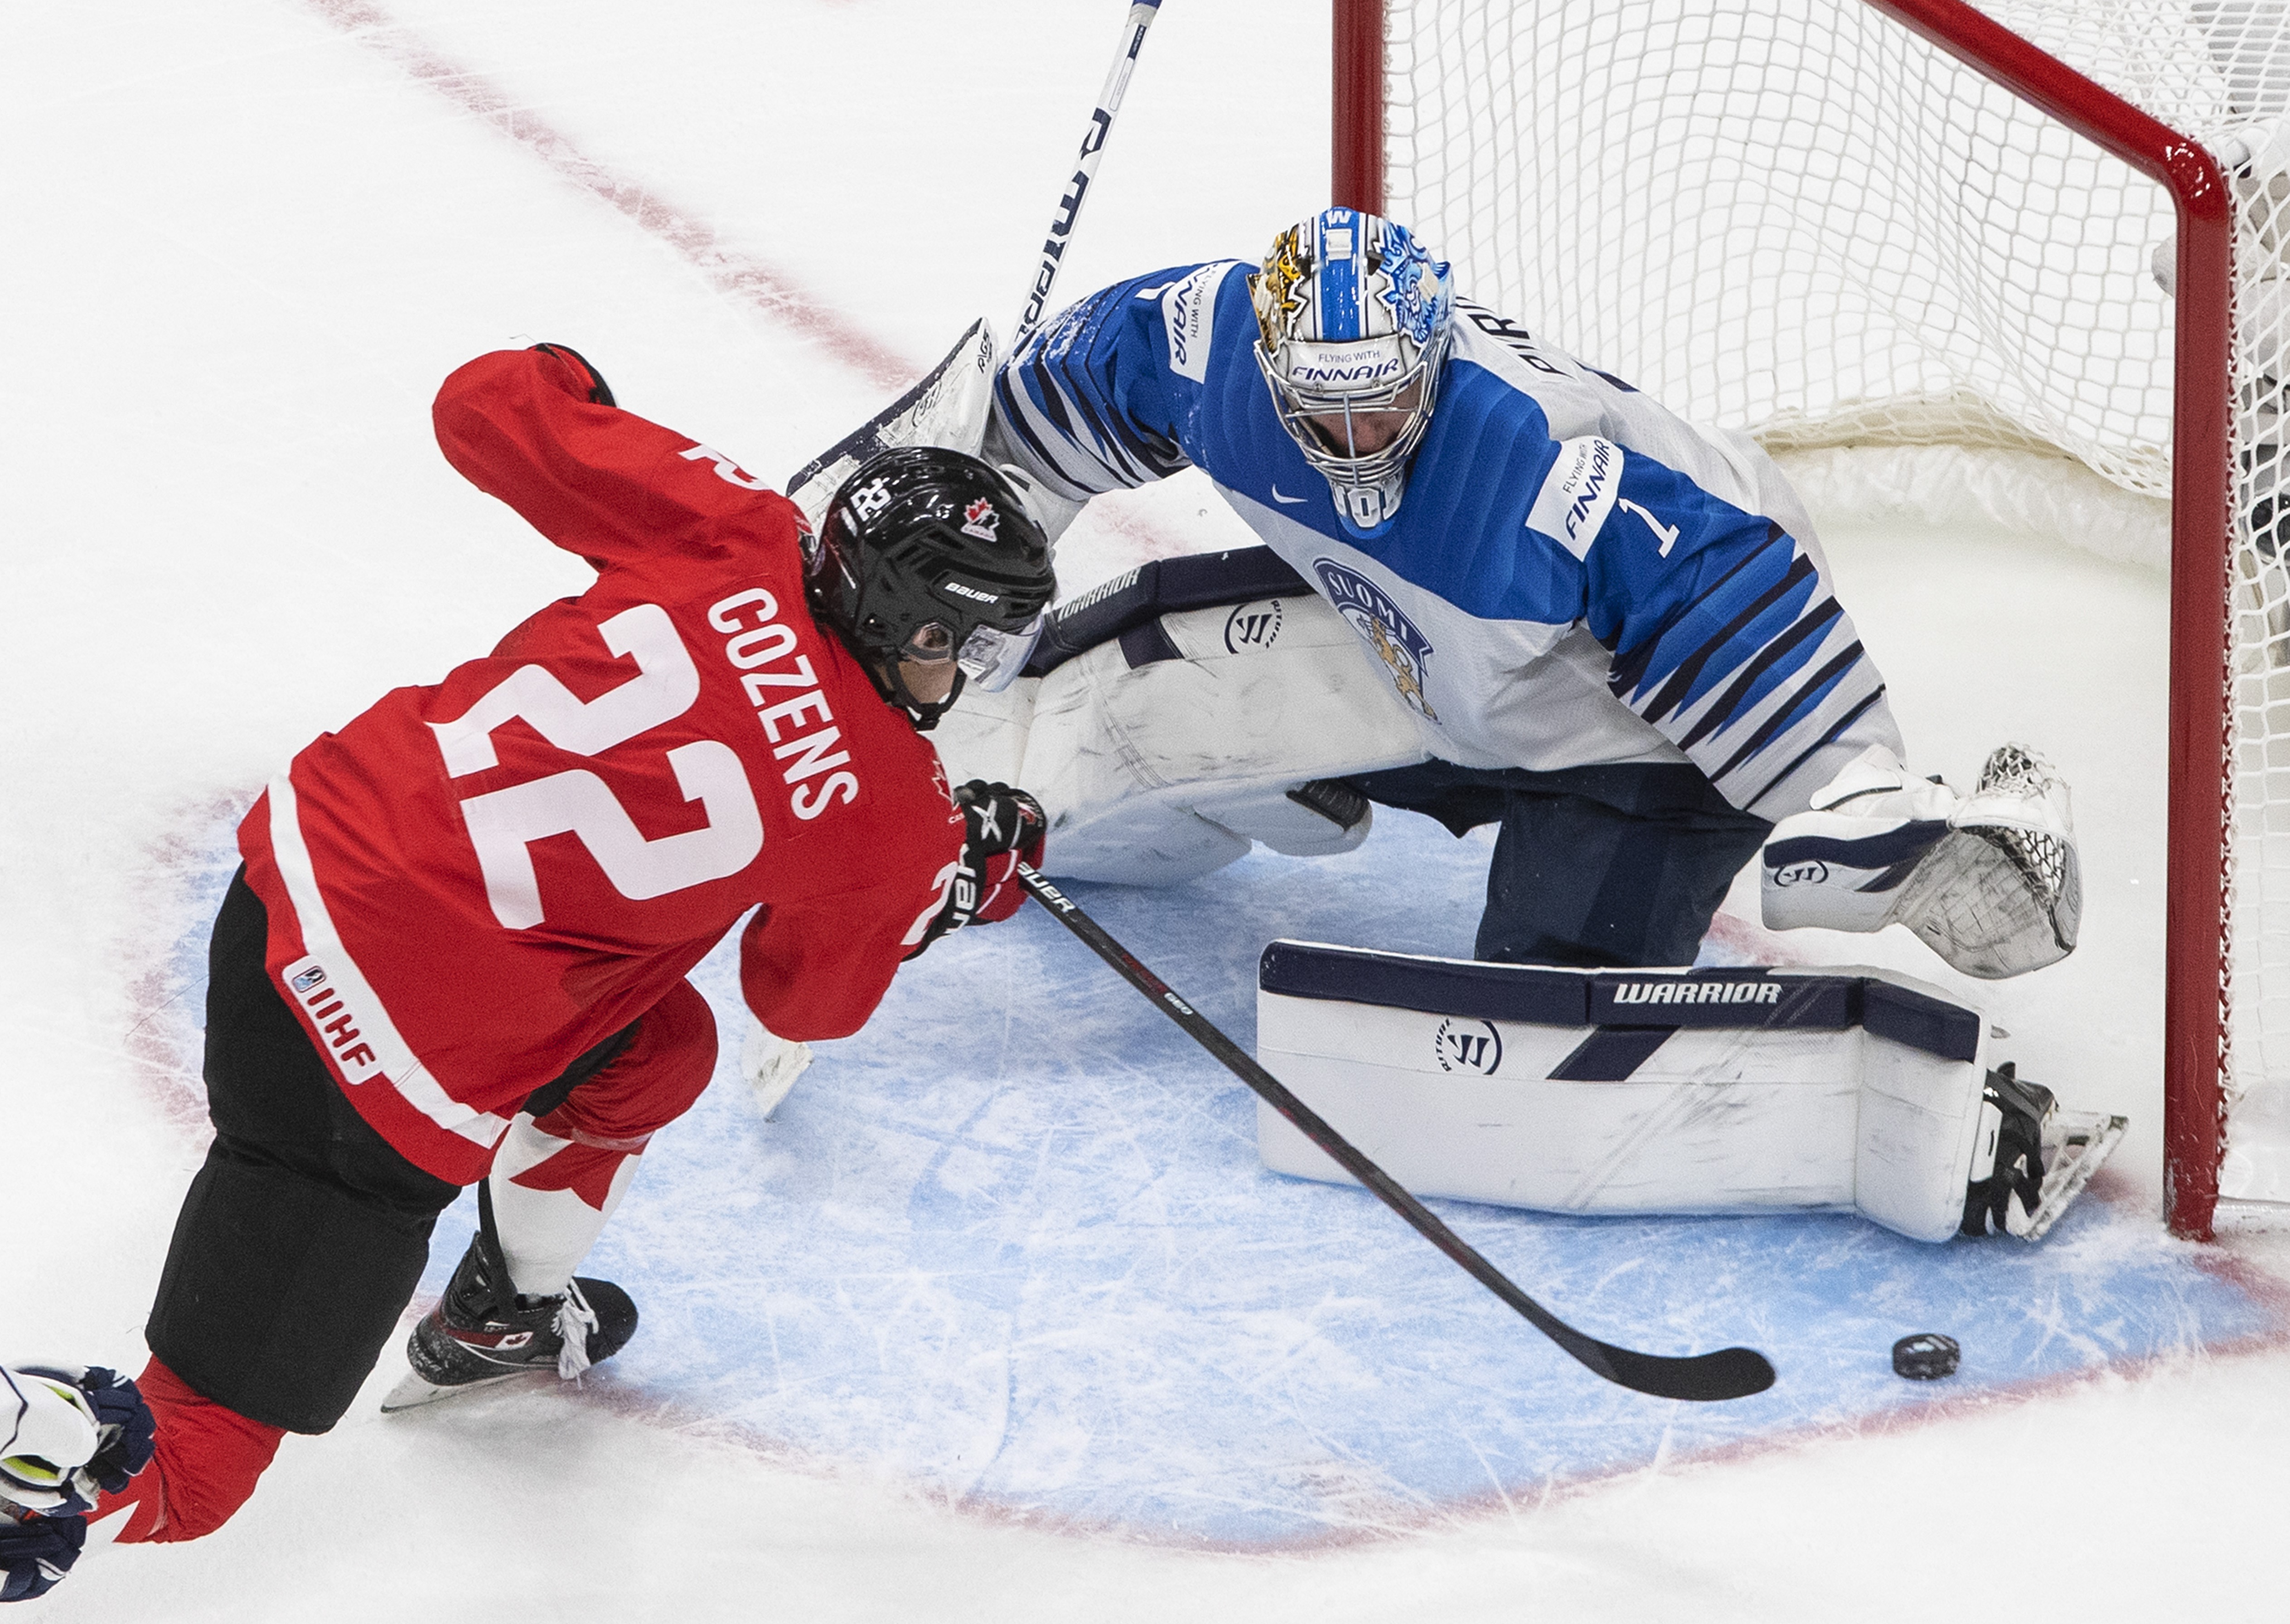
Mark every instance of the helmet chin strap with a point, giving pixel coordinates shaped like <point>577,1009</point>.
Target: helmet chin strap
<point>891,682</point>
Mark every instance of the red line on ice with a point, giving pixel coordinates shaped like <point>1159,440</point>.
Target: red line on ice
<point>759,283</point>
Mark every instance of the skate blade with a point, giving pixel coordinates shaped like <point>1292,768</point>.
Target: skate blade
<point>2088,1140</point>
<point>411,1392</point>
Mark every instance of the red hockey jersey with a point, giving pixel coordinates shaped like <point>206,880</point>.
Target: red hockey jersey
<point>473,883</point>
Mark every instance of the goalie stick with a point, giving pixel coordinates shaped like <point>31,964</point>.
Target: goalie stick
<point>1092,150</point>
<point>949,406</point>
<point>946,407</point>
<point>1730,1372</point>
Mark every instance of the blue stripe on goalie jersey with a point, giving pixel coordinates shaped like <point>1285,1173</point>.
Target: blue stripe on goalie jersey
<point>1736,620</point>
<point>1736,604</point>
<point>1846,719</point>
<point>1074,375</point>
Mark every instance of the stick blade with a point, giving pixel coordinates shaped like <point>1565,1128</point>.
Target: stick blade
<point>1710,1378</point>
<point>949,406</point>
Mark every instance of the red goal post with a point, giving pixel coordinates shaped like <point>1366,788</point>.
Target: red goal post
<point>2204,524</point>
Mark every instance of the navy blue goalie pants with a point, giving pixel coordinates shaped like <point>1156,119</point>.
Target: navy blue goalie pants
<point>1620,865</point>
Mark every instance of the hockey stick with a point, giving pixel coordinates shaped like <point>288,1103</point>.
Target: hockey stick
<point>948,405</point>
<point>1092,148</point>
<point>963,373</point>
<point>1730,1372</point>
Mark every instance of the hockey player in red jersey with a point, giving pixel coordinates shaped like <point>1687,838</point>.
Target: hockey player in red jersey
<point>456,950</point>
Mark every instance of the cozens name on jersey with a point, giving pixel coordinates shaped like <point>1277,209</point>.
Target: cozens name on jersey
<point>799,724</point>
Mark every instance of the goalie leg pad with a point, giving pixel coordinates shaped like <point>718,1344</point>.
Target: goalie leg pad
<point>1177,714</point>
<point>1162,757</point>
<point>1667,1092</point>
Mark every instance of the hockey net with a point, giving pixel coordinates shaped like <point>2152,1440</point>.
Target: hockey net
<point>1895,224</point>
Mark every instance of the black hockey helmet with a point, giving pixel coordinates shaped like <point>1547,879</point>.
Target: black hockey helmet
<point>929,554</point>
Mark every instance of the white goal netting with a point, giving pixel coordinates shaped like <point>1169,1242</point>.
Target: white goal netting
<point>1797,218</point>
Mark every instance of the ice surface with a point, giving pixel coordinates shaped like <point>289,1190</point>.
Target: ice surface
<point>1022,1271</point>
<point>1012,1244</point>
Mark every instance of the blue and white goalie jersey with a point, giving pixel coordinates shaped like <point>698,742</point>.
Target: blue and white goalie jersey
<point>1576,576</point>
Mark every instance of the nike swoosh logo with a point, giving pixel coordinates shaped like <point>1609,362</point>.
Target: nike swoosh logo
<point>1291,501</point>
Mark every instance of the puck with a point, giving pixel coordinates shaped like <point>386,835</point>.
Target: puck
<point>1926,1356</point>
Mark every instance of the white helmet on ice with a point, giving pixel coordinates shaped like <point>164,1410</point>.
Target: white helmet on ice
<point>1353,322</point>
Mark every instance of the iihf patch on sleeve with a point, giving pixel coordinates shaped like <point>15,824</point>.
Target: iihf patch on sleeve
<point>1578,493</point>
<point>1189,312</point>
<point>329,1007</point>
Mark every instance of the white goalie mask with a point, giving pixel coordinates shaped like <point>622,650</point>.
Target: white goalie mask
<point>1353,324</point>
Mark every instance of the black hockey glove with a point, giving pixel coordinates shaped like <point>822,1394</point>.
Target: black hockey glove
<point>35,1552</point>
<point>1003,827</point>
<point>1001,819</point>
<point>600,392</point>
<point>127,1429</point>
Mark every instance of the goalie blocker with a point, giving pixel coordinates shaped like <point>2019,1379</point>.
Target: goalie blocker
<point>1667,1091</point>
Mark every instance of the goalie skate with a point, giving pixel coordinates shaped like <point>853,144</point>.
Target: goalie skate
<point>2075,1145</point>
<point>2031,1159</point>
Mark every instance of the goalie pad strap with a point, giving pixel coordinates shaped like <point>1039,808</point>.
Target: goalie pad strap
<point>1659,1000</point>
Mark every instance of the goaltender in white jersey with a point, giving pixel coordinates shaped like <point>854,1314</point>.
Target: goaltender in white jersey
<point>1499,586</point>
<point>1608,632</point>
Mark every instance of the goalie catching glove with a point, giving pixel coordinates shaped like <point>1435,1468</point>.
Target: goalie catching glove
<point>1990,881</point>
<point>1002,827</point>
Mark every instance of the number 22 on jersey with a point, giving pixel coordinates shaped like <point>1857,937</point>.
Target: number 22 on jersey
<point>504,823</point>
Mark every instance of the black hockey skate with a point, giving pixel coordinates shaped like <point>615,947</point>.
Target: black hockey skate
<point>482,1332</point>
<point>2037,1158</point>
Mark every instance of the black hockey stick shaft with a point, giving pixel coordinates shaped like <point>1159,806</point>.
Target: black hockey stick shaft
<point>1730,1372</point>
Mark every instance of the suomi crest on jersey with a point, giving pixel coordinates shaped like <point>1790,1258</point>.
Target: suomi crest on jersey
<point>1386,627</point>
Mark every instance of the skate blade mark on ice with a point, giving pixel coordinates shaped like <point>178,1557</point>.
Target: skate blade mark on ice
<point>411,1392</point>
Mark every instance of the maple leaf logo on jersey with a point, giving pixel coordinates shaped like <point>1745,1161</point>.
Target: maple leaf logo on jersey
<point>980,519</point>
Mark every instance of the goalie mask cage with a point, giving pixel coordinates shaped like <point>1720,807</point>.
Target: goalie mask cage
<point>1911,222</point>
